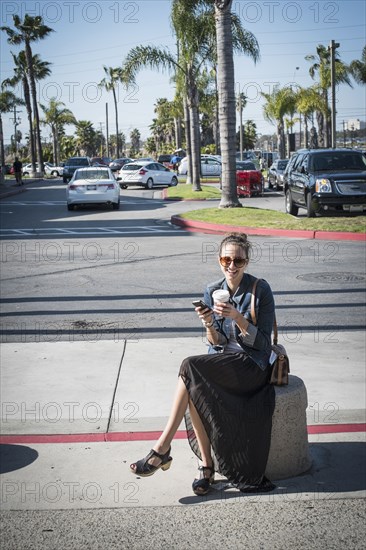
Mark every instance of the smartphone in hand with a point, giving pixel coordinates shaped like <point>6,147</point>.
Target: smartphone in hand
<point>201,304</point>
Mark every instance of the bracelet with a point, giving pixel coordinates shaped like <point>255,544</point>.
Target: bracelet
<point>207,325</point>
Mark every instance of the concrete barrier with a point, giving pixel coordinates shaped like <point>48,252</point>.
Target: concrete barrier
<point>289,451</point>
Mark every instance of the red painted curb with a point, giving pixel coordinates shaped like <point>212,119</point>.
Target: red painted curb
<point>204,227</point>
<point>151,436</point>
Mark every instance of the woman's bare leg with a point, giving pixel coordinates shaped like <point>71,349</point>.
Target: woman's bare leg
<point>201,435</point>
<point>179,407</point>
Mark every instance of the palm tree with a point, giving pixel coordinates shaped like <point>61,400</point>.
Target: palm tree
<point>321,67</point>
<point>85,137</point>
<point>358,68</point>
<point>135,137</point>
<point>56,116</point>
<point>308,101</point>
<point>279,103</point>
<point>230,37</point>
<point>31,29</point>
<point>8,101</point>
<point>41,71</point>
<point>109,82</point>
<point>241,102</point>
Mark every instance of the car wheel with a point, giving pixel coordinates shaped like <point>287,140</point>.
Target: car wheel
<point>310,212</point>
<point>54,173</point>
<point>70,207</point>
<point>64,180</point>
<point>174,182</point>
<point>275,185</point>
<point>269,184</point>
<point>290,207</point>
<point>115,205</point>
<point>123,186</point>
<point>150,183</point>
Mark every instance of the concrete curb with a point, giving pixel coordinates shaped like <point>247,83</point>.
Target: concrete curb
<point>205,227</point>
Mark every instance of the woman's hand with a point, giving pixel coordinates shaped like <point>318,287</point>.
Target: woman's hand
<point>205,314</point>
<point>225,309</point>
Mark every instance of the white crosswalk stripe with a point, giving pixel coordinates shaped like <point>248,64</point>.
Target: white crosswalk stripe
<point>80,231</point>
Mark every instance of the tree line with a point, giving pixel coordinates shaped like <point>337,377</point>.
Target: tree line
<point>203,110</point>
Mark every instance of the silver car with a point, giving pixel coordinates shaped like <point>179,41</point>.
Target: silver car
<point>275,173</point>
<point>93,185</point>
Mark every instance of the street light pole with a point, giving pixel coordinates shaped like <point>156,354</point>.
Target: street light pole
<point>332,47</point>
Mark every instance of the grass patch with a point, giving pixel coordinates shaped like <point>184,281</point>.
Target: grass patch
<point>257,217</point>
<point>183,191</point>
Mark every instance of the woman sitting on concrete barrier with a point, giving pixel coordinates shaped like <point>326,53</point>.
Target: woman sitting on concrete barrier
<point>225,395</point>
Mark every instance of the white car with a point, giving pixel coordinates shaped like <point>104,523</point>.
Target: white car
<point>52,170</point>
<point>210,166</point>
<point>145,173</point>
<point>93,185</point>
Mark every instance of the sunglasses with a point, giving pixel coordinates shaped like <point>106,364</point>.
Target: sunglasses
<point>225,261</point>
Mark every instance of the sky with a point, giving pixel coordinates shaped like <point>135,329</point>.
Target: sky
<point>88,35</point>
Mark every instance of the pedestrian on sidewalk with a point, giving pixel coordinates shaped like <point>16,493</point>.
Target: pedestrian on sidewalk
<point>18,167</point>
<point>225,395</point>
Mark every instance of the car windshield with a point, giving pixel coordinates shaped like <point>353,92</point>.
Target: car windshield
<point>282,164</point>
<point>78,162</point>
<point>131,167</point>
<point>92,175</point>
<point>245,166</point>
<point>340,160</point>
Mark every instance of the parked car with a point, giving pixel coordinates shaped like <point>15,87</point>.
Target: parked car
<point>248,155</point>
<point>117,164</point>
<point>100,161</point>
<point>73,164</point>
<point>275,173</point>
<point>249,180</point>
<point>145,173</point>
<point>52,170</point>
<point>93,185</point>
<point>210,166</point>
<point>323,180</point>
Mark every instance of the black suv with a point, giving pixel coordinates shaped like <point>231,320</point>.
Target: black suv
<point>322,180</point>
<point>73,164</point>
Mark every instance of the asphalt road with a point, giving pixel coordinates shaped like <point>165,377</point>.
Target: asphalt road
<point>96,273</point>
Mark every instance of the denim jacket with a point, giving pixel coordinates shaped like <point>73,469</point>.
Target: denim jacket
<point>257,342</point>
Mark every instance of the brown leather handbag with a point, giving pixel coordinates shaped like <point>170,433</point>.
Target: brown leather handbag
<point>281,364</point>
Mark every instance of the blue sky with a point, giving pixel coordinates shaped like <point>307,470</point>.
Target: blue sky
<point>91,34</point>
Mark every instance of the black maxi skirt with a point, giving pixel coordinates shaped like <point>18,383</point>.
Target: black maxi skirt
<point>235,402</point>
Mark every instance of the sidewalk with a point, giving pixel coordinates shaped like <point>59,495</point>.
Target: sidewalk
<point>10,187</point>
<point>76,414</point>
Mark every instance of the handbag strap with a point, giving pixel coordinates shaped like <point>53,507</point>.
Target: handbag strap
<point>254,317</point>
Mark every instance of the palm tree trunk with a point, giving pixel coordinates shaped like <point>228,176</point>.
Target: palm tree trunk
<point>194,130</point>
<point>227,112</point>
<point>32,83</point>
<point>217,123</point>
<point>116,114</point>
<point>28,107</point>
<point>187,125</point>
<point>54,144</point>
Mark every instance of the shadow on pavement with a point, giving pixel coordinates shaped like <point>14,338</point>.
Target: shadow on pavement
<point>14,457</point>
<point>338,467</point>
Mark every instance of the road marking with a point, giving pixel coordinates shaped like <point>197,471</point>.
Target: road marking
<point>63,203</point>
<point>115,230</point>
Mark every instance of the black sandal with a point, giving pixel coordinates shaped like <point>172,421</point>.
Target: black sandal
<point>144,469</point>
<point>202,485</point>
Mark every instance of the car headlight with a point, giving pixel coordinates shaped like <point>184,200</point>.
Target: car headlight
<point>323,186</point>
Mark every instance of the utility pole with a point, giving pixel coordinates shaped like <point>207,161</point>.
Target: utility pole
<point>241,126</point>
<point>101,141</point>
<point>16,121</point>
<point>331,48</point>
<point>107,127</point>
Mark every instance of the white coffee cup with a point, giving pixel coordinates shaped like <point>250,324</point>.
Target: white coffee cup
<point>220,295</point>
